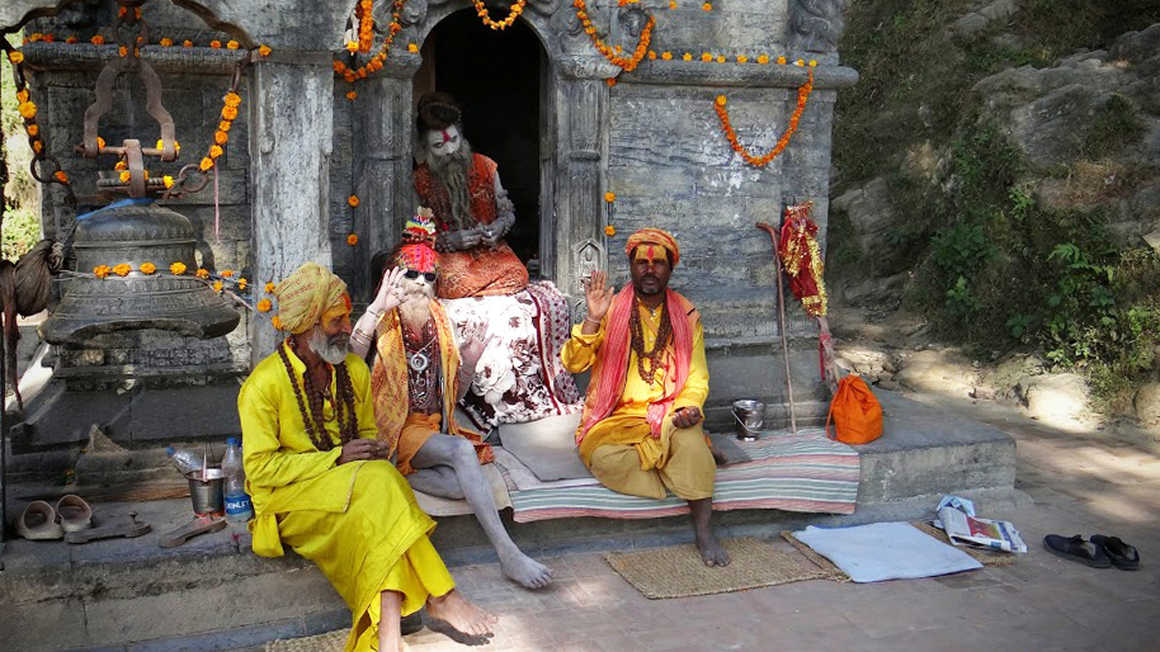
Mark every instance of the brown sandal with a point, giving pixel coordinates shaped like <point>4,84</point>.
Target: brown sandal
<point>75,514</point>
<point>124,528</point>
<point>199,525</point>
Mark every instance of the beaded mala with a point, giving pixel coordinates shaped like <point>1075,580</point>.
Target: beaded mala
<point>664,334</point>
<point>312,418</point>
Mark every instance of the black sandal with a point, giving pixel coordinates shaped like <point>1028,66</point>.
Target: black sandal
<point>1076,549</point>
<point>1122,555</point>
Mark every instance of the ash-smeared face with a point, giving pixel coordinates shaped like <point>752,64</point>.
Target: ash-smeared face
<point>443,142</point>
<point>418,285</point>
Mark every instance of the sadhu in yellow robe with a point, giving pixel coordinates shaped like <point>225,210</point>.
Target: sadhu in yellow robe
<point>633,447</point>
<point>358,522</point>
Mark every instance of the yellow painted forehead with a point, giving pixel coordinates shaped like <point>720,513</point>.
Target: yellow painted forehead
<point>650,252</point>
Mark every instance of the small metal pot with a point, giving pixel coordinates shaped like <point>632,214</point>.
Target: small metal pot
<point>749,415</point>
<point>206,491</point>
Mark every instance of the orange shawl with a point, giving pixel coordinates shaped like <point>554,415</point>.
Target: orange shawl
<point>389,383</point>
<point>611,366</point>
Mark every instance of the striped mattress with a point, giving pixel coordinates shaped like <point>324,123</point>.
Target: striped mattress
<point>798,473</point>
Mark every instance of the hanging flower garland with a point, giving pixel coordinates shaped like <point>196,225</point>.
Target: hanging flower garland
<point>376,62</point>
<point>803,95</point>
<point>627,64</point>
<point>352,238</point>
<point>230,103</point>
<point>485,16</point>
<point>366,25</point>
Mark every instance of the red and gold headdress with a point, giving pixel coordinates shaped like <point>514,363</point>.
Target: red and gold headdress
<point>418,250</point>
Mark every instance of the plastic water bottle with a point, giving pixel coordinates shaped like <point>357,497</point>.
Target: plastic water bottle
<point>238,506</point>
<point>184,460</point>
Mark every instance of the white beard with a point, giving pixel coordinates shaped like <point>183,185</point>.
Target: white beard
<point>330,350</point>
<point>415,312</point>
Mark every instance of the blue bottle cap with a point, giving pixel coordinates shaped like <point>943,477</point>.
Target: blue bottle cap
<point>232,441</point>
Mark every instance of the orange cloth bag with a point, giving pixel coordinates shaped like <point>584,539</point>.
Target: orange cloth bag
<point>856,413</point>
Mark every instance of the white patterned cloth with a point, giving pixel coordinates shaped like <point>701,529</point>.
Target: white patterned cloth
<point>519,377</point>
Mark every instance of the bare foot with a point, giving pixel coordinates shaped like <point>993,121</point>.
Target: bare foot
<point>712,552</point>
<point>460,615</point>
<point>525,570</point>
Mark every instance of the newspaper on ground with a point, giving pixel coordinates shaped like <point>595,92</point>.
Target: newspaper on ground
<point>963,529</point>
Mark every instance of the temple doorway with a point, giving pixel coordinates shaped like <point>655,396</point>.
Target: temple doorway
<point>497,78</point>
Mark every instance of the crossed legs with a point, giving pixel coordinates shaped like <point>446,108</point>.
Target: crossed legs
<point>689,474</point>
<point>448,467</point>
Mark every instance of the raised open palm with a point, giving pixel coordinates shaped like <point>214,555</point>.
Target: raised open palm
<point>390,291</point>
<point>598,295</point>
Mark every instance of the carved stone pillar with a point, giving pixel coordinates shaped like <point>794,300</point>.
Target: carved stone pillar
<point>291,136</point>
<point>382,167</point>
<point>581,101</point>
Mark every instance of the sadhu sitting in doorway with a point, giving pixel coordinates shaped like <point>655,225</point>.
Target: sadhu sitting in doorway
<point>471,208</point>
<point>481,282</point>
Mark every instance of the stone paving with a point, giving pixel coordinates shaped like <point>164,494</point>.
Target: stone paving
<point>1080,484</point>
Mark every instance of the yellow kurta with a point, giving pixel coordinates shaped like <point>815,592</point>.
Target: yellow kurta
<point>627,425</point>
<point>358,522</point>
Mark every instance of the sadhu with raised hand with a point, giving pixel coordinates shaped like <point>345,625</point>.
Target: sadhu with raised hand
<point>321,481</point>
<point>640,432</point>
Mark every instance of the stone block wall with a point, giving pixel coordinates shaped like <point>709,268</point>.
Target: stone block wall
<point>653,139</point>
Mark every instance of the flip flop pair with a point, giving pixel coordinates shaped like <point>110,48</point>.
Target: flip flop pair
<point>1098,552</point>
<point>41,521</point>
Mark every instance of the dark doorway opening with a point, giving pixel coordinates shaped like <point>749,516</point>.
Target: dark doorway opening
<point>495,76</point>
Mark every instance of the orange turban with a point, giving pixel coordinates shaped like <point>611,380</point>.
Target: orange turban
<point>654,237</point>
<point>309,295</point>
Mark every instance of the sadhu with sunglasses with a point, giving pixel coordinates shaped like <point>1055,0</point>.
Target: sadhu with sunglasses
<point>419,375</point>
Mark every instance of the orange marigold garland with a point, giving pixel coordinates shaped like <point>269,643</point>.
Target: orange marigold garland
<point>516,10</point>
<point>230,103</point>
<point>376,62</point>
<point>366,25</point>
<point>803,95</point>
<point>627,64</point>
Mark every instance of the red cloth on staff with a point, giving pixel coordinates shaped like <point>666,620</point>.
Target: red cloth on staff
<point>802,258</point>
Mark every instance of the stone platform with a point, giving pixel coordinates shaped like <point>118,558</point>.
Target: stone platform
<point>213,593</point>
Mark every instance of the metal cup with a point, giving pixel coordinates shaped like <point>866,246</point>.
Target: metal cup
<point>206,491</point>
<point>749,415</point>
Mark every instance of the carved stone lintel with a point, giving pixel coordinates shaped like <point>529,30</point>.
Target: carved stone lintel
<point>816,25</point>
<point>587,67</point>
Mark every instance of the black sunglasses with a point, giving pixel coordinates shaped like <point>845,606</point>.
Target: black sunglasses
<point>414,274</point>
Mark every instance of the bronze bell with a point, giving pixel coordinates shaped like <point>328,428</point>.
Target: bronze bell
<point>135,232</point>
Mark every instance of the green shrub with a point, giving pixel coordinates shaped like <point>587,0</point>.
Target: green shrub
<point>21,232</point>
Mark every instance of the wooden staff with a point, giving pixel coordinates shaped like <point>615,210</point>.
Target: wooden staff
<point>781,323</point>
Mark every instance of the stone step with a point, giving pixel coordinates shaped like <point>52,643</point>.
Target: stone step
<point>213,593</point>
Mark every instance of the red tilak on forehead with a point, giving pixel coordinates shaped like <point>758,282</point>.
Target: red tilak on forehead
<point>651,253</point>
<point>446,136</point>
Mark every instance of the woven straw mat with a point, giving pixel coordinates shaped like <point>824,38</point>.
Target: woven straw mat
<point>678,571</point>
<point>328,642</point>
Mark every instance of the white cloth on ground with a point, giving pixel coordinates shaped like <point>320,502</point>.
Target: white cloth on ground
<point>885,551</point>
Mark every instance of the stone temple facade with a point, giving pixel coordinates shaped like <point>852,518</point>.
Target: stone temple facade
<point>301,147</point>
